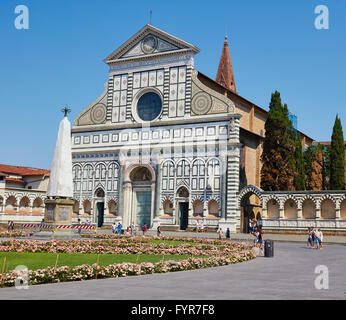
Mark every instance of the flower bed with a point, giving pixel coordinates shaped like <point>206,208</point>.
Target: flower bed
<point>217,254</point>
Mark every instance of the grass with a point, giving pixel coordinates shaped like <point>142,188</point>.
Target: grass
<point>34,261</point>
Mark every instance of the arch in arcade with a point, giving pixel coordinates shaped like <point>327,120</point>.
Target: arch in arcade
<point>24,206</point>
<point>343,210</point>
<point>11,205</point>
<point>37,207</point>
<point>328,210</point>
<point>290,209</point>
<point>250,203</point>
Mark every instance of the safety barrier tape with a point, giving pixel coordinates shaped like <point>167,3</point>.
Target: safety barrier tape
<point>47,226</point>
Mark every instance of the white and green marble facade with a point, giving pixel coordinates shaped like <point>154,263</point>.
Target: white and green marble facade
<point>192,145</point>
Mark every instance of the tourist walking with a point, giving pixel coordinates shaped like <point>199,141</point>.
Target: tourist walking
<point>317,238</point>
<point>158,231</point>
<point>79,226</point>
<point>220,233</point>
<point>259,236</point>
<point>309,243</point>
<point>132,229</point>
<point>114,228</point>
<point>251,226</point>
<point>197,226</point>
<point>260,223</point>
<point>321,239</point>
<point>144,228</point>
<point>228,234</point>
<point>119,228</point>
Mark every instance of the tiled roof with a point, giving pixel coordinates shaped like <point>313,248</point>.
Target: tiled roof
<point>325,143</point>
<point>23,171</point>
<point>14,180</point>
<point>3,174</point>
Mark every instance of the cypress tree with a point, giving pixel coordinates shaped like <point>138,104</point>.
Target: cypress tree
<point>299,178</point>
<point>317,169</point>
<point>278,164</point>
<point>326,172</point>
<point>308,159</point>
<point>337,157</point>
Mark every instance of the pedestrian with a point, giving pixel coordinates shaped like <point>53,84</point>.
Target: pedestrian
<point>309,243</point>
<point>114,228</point>
<point>8,225</point>
<point>250,226</point>
<point>259,238</point>
<point>79,226</point>
<point>228,234</point>
<point>312,237</point>
<point>197,226</point>
<point>321,239</point>
<point>119,228</point>
<point>317,238</point>
<point>260,224</point>
<point>132,229</point>
<point>220,232</point>
<point>158,231</point>
<point>144,228</point>
<point>12,225</point>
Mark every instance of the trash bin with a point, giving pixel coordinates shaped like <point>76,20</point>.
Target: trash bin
<point>269,248</point>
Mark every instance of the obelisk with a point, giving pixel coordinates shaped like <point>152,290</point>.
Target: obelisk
<point>59,203</point>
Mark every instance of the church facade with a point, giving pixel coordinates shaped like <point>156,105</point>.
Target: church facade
<point>159,146</point>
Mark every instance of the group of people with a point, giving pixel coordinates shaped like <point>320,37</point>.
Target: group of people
<point>130,230</point>
<point>315,236</point>
<point>117,228</point>
<point>255,228</point>
<point>201,226</point>
<point>220,233</point>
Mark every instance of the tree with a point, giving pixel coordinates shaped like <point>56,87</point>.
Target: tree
<point>299,178</point>
<point>278,164</point>
<point>337,158</point>
<point>316,182</point>
<point>308,159</point>
<point>326,171</point>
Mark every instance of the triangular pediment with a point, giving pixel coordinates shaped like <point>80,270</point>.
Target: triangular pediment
<point>149,41</point>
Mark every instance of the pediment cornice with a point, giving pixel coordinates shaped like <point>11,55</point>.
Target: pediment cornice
<point>182,46</point>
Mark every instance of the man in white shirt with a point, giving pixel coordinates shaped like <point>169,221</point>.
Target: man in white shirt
<point>114,227</point>
<point>318,238</point>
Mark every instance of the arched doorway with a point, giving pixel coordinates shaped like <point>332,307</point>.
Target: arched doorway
<point>250,206</point>
<point>100,206</point>
<point>141,180</point>
<point>183,207</point>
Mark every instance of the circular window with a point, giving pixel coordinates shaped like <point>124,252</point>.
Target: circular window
<point>149,106</point>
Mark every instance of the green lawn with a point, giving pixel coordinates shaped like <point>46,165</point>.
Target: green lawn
<point>34,261</point>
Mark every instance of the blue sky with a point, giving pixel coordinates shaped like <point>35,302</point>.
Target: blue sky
<point>59,60</point>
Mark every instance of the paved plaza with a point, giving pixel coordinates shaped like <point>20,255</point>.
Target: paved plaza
<point>290,274</point>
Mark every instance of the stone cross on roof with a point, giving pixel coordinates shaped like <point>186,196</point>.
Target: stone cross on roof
<point>66,110</point>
